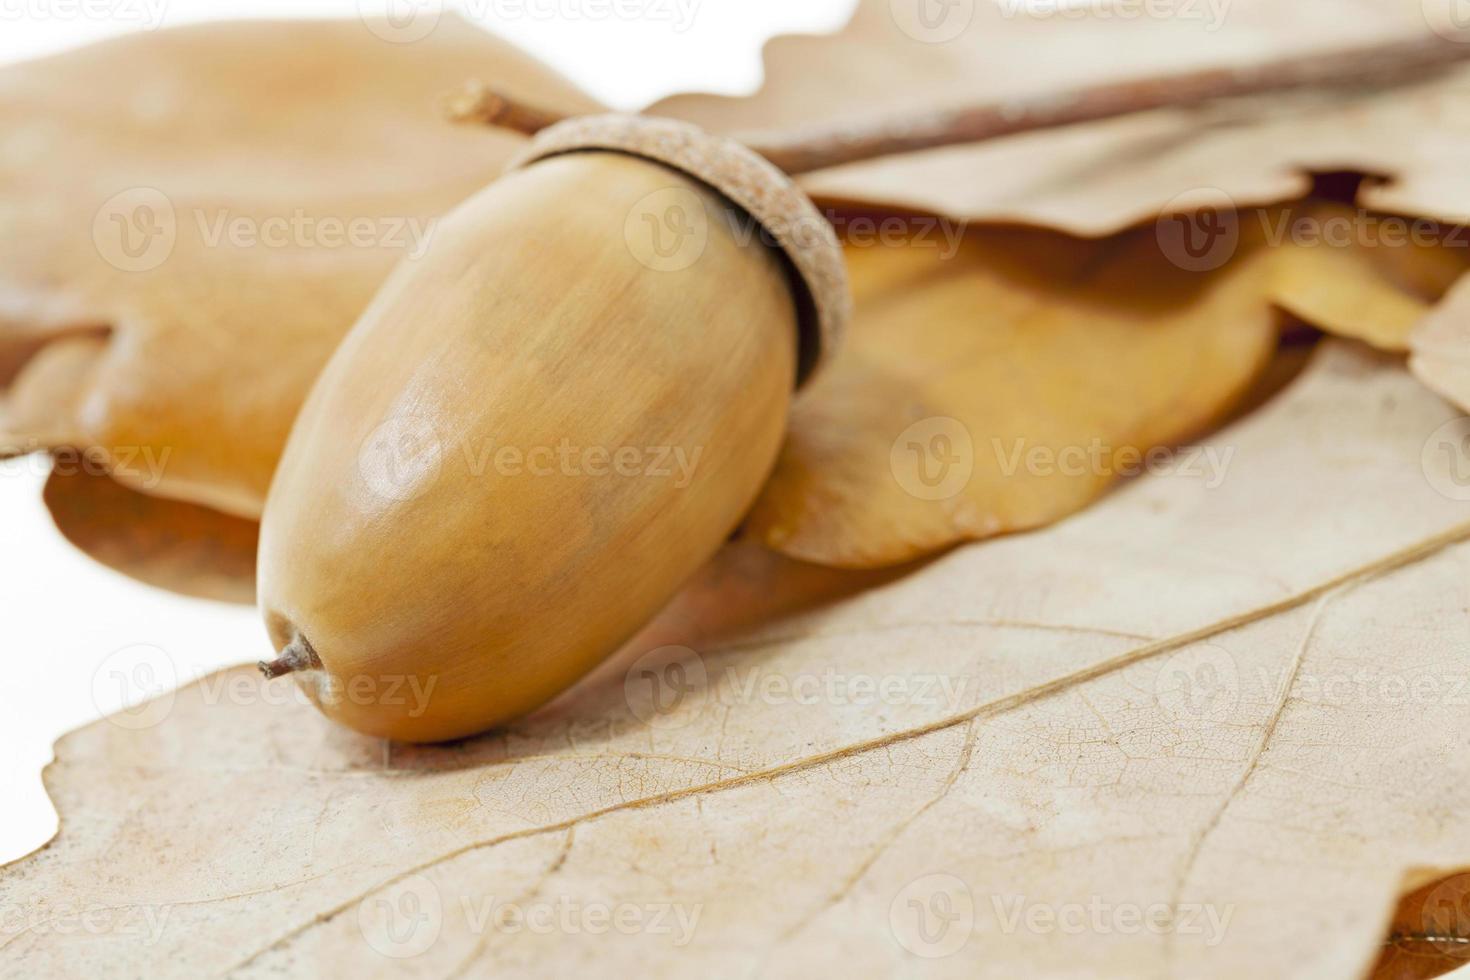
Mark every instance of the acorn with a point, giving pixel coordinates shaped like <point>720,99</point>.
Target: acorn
<point>543,425</point>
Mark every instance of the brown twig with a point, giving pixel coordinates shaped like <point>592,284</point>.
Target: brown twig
<point>477,103</point>
<point>819,147</point>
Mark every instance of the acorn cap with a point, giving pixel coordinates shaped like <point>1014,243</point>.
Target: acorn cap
<point>818,272</point>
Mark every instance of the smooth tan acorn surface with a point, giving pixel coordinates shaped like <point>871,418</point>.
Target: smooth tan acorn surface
<point>450,529</point>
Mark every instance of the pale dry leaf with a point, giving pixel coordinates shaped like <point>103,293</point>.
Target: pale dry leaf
<point>902,57</point>
<point>1237,703</point>
<point>1440,345</point>
<point>222,201</point>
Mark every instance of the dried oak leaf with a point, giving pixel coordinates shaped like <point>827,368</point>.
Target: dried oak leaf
<point>1239,704</point>
<point>902,57</point>
<point>190,220</point>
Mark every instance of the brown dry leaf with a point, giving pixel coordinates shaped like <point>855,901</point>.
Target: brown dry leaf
<point>222,201</point>
<point>1441,347</point>
<point>1092,355</point>
<point>905,56</point>
<point>1425,934</point>
<point>1240,705</point>
<point>1007,386</point>
<point>168,543</point>
<point>1374,286</point>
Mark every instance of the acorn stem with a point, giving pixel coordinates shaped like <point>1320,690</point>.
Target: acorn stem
<point>821,146</point>
<point>295,656</point>
<point>478,103</point>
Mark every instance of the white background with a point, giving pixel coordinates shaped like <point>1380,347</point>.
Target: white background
<point>70,626</point>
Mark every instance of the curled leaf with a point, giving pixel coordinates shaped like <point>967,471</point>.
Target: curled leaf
<point>1370,277</point>
<point>1008,385</point>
